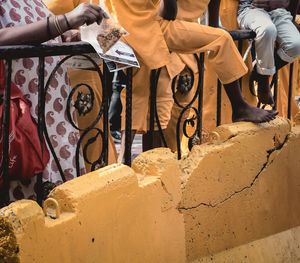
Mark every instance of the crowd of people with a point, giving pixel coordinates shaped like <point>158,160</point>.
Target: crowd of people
<point>176,35</point>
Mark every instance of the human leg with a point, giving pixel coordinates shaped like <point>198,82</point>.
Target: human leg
<point>188,37</point>
<point>241,110</point>
<point>140,102</point>
<point>261,23</point>
<point>115,106</point>
<point>163,105</point>
<point>91,78</point>
<point>288,37</point>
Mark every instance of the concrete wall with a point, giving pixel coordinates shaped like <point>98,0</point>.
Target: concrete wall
<point>243,189</point>
<point>226,197</point>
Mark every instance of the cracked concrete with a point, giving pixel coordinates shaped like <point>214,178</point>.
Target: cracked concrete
<point>235,188</point>
<point>277,147</point>
<point>253,200</point>
<point>231,187</point>
<point>238,151</point>
<point>242,186</point>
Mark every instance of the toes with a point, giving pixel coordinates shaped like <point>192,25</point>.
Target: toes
<point>271,116</point>
<point>267,118</point>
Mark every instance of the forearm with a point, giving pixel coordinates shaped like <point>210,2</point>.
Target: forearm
<point>34,33</point>
<point>39,32</point>
<point>168,9</point>
<point>213,13</point>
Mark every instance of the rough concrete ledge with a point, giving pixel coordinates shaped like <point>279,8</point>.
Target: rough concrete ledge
<point>111,215</point>
<point>237,188</point>
<point>232,163</point>
<point>241,187</point>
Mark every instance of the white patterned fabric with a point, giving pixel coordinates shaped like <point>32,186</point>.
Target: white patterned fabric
<point>25,74</point>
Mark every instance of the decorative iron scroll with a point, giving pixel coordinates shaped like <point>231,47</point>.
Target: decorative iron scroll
<point>81,100</point>
<point>189,121</point>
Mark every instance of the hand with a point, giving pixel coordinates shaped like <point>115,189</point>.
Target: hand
<point>270,5</point>
<point>71,36</point>
<point>85,13</point>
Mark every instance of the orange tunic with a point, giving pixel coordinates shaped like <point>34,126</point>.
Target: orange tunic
<point>87,77</point>
<point>180,37</point>
<point>140,19</point>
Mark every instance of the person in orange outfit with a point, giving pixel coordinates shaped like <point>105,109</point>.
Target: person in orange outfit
<point>169,34</point>
<point>92,79</point>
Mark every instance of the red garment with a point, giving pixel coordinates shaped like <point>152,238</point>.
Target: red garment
<point>27,157</point>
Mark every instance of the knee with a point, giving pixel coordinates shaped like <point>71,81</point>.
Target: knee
<point>293,49</point>
<point>226,36</point>
<point>267,32</point>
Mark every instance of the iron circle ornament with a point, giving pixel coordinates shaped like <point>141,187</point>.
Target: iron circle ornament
<point>83,104</point>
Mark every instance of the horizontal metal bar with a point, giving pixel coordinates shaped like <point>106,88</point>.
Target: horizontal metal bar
<point>26,51</point>
<point>75,48</point>
<point>242,34</point>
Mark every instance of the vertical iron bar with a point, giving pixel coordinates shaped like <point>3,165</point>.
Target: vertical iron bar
<point>275,90</point>
<point>105,102</point>
<point>240,48</point>
<point>178,141</point>
<point>289,110</point>
<point>219,103</point>
<point>153,89</point>
<point>128,124</point>
<point>41,112</point>
<point>200,99</point>
<point>5,128</point>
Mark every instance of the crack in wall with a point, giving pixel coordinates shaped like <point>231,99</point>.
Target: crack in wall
<point>277,147</point>
<point>191,165</point>
<point>165,189</point>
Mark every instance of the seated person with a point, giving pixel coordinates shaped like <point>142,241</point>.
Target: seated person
<point>273,24</point>
<point>171,35</point>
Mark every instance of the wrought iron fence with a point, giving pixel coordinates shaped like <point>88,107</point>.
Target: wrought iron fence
<point>196,120</point>
<point>80,99</point>
<point>84,102</point>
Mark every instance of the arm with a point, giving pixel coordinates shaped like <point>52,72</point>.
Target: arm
<point>168,9</point>
<point>36,33</point>
<point>213,13</point>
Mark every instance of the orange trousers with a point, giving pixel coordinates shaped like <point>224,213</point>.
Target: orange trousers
<point>185,37</point>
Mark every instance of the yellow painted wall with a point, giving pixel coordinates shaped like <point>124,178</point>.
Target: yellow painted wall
<point>279,248</point>
<point>249,188</point>
<point>113,215</point>
<point>226,195</point>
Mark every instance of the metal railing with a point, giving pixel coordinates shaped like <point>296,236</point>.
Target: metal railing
<point>197,119</point>
<point>82,105</point>
<point>68,50</point>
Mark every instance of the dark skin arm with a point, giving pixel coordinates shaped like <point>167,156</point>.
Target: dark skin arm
<point>168,9</point>
<point>213,13</point>
<point>36,33</point>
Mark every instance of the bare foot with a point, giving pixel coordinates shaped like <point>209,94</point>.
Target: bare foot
<point>252,114</point>
<point>264,93</point>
